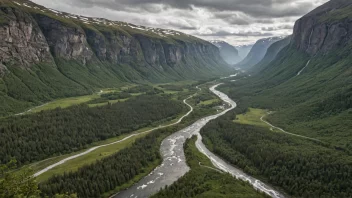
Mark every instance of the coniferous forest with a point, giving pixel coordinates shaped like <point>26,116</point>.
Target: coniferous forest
<point>35,137</point>
<point>203,180</point>
<point>303,168</point>
<point>112,172</point>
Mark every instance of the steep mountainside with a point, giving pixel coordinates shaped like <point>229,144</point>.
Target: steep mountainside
<point>47,54</point>
<point>270,55</point>
<point>308,89</point>
<point>257,52</point>
<point>228,52</point>
<point>243,50</point>
<point>310,81</point>
<point>325,29</point>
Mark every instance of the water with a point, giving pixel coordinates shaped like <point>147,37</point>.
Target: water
<point>174,163</point>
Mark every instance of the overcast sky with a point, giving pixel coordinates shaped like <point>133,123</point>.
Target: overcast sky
<point>235,21</point>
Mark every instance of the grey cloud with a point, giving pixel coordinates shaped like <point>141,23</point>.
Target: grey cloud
<point>232,20</point>
<point>223,33</point>
<point>280,27</point>
<point>256,8</point>
<point>181,25</point>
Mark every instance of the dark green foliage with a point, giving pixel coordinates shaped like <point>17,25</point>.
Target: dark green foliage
<point>172,87</point>
<point>21,184</point>
<point>139,89</point>
<point>202,181</point>
<point>38,136</point>
<point>301,167</point>
<point>107,174</point>
<point>116,95</point>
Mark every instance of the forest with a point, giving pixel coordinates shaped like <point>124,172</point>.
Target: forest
<point>35,137</point>
<point>204,181</point>
<point>302,168</point>
<point>109,174</point>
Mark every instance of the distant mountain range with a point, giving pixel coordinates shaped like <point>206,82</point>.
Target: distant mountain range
<point>243,50</point>
<point>257,52</point>
<point>228,52</point>
<point>271,54</point>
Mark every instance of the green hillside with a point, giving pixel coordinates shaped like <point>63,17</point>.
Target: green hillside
<point>68,55</point>
<point>307,89</point>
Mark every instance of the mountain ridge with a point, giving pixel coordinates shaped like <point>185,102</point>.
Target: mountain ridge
<point>47,54</point>
<point>271,54</point>
<point>257,52</point>
<point>228,52</point>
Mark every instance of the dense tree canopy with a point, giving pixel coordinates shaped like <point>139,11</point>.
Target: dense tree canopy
<point>301,167</point>
<point>204,181</point>
<point>105,175</point>
<point>38,136</point>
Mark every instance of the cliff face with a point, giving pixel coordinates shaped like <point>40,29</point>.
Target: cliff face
<point>46,54</point>
<point>22,42</point>
<point>324,29</point>
<point>29,31</point>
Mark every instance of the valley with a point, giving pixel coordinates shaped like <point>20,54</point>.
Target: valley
<point>209,101</point>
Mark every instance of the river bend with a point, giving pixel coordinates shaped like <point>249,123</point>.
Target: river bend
<point>174,163</point>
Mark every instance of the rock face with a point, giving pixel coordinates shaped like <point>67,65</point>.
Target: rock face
<point>64,41</point>
<point>257,52</point>
<point>22,42</point>
<point>32,34</point>
<point>326,28</point>
<point>228,52</point>
<point>47,54</point>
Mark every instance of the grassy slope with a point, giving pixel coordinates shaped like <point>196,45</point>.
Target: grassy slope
<point>316,103</point>
<point>203,181</point>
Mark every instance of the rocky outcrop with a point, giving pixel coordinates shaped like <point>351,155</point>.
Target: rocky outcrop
<point>22,42</point>
<point>324,29</point>
<point>65,40</point>
<point>36,35</point>
<point>46,54</point>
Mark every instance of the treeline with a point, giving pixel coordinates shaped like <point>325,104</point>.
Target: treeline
<point>301,167</point>
<point>202,181</point>
<point>108,174</point>
<point>38,136</point>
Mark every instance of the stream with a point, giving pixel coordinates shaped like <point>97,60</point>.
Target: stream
<point>174,163</point>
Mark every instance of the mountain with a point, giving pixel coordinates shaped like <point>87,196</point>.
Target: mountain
<point>243,50</point>
<point>310,81</point>
<point>257,52</point>
<point>228,52</point>
<point>47,54</point>
<point>271,54</point>
<point>308,89</point>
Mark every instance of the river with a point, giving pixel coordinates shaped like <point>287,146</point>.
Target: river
<point>174,163</point>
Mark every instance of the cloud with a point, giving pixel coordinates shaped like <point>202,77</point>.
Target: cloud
<point>238,34</point>
<point>257,8</point>
<point>275,28</point>
<point>235,21</point>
